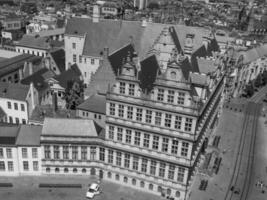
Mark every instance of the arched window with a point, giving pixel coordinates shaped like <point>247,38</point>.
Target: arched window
<point>109,174</point>
<point>66,170</point>
<point>75,170</point>
<point>125,179</point>
<point>173,75</point>
<point>83,170</point>
<point>177,194</point>
<point>47,169</point>
<point>142,184</point>
<point>57,170</point>
<point>117,177</point>
<point>133,181</point>
<point>150,186</point>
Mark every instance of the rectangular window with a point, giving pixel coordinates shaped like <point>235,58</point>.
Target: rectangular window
<point>127,160</point>
<point>184,149</point>
<point>56,152</point>
<point>74,58</point>
<point>153,166</point>
<point>170,97</point>
<point>160,95</point>
<point>148,116</point>
<point>162,169</point>
<point>128,136</point>
<point>188,124</point>
<point>144,165</point>
<point>23,121</point>
<point>1,153</point>
<point>92,61</point>
<point>74,153</point>
<point>92,152</point>
<point>139,114</point>
<point>65,152</point>
<point>165,144</point>
<point>10,166</point>
<point>102,154</point>
<point>181,172</point>
<point>34,153</point>
<point>158,118</point>
<point>10,120</point>
<point>47,151</point>
<point>112,109</point>
<point>135,162</point>
<point>155,144</point>
<point>146,140</point>
<point>84,152</point>
<point>178,122</point>
<point>121,110</point>
<point>9,153</point>
<point>74,45</point>
<point>84,60</point>
<point>25,165</point>
<point>17,120</point>
<point>122,88</point>
<point>2,166</point>
<point>137,136</point>
<point>119,134</point>
<point>131,89</point>
<point>80,59</point>
<point>111,132</point>
<point>118,158</point>
<point>168,119</point>
<point>35,165</point>
<point>129,112</point>
<point>181,98</point>
<point>9,105</point>
<point>22,107</point>
<point>175,144</point>
<point>110,156</point>
<point>171,172</point>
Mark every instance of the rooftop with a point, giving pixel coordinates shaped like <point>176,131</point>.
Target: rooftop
<point>14,91</point>
<point>70,127</point>
<point>8,134</point>
<point>35,42</point>
<point>48,33</point>
<point>59,58</point>
<point>254,53</point>
<point>95,103</point>
<point>29,135</point>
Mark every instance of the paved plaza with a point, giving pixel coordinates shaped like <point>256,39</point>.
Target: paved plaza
<point>27,188</point>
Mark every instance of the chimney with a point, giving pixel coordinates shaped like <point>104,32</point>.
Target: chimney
<point>106,52</point>
<point>30,68</point>
<point>96,13</point>
<point>32,95</point>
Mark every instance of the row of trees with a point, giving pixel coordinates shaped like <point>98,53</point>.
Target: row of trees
<point>261,80</point>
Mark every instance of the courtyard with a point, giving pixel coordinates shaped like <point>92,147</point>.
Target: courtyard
<point>27,188</point>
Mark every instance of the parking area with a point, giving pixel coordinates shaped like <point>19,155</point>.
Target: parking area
<point>27,188</point>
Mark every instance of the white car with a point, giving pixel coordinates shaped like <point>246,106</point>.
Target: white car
<point>92,191</point>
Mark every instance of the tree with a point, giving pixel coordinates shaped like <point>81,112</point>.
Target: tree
<point>258,81</point>
<point>74,94</point>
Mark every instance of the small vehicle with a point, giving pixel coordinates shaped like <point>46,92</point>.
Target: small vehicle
<point>92,190</point>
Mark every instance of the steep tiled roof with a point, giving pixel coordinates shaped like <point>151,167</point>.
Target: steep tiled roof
<point>100,81</point>
<point>254,53</point>
<point>34,42</point>
<point>148,73</point>
<point>117,58</point>
<point>29,135</point>
<point>70,127</point>
<point>206,66</point>
<point>198,79</point>
<point>201,52</point>
<point>59,58</point>
<point>72,74</point>
<point>37,79</point>
<point>186,67</point>
<point>14,91</point>
<point>8,134</point>
<point>96,103</point>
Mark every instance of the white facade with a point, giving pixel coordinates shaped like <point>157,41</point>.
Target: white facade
<point>74,54</point>
<point>29,159</point>
<point>16,111</point>
<point>32,51</point>
<point>8,161</point>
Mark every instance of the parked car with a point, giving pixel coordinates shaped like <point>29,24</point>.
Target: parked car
<point>92,190</point>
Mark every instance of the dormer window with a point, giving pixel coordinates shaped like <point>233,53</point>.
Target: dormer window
<point>173,75</point>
